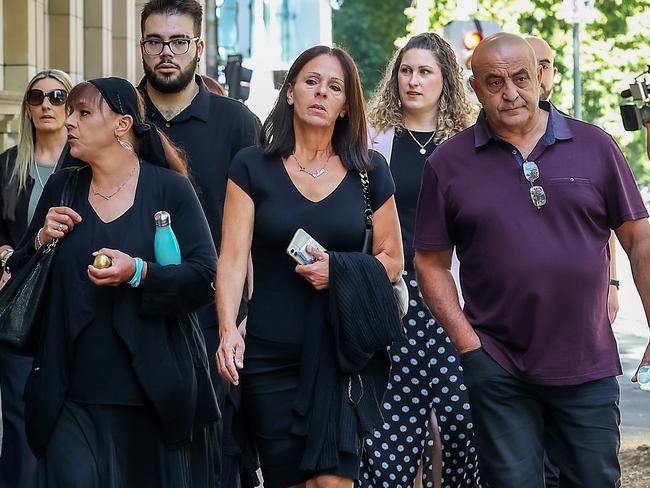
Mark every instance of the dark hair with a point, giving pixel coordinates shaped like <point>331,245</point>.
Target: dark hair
<point>350,140</point>
<point>173,7</point>
<point>87,93</point>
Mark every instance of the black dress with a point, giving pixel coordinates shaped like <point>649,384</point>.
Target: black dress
<point>282,299</point>
<point>119,381</point>
<point>425,370</point>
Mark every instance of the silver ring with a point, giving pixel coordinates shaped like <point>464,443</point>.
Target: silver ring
<point>60,228</point>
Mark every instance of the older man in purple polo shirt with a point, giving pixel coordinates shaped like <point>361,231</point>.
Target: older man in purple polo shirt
<point>528,197</point>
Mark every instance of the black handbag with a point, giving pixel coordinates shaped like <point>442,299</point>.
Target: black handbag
<point>399,287</point>
<point>21,298</point>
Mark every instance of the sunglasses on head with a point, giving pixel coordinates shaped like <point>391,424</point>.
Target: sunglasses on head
<point>35,97</point>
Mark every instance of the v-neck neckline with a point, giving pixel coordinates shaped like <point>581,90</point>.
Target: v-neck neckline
<point>126,211</point>
<point>302,195</point>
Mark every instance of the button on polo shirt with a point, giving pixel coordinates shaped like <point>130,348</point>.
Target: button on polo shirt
<point>535,282</point>
<point>211,130</point>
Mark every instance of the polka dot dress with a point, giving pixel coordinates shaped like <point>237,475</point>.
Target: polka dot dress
<point>425,374</point>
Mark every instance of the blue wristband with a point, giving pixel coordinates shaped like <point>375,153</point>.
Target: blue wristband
<point>137,276</point>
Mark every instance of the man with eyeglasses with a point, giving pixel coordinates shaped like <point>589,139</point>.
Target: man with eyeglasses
<point>211,129</point>
<point>528,197</point>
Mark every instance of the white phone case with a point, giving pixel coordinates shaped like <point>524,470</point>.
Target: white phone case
<point>298,247</point>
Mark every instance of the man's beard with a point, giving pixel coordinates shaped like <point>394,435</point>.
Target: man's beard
<point>170,83</point>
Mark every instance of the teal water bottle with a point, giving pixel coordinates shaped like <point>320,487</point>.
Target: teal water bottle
<point>165,244</point>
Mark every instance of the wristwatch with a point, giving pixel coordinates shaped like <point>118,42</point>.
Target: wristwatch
<point>615,283</point>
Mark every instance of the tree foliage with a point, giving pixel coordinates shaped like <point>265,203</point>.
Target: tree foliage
<point>613,49</point>
<point>368,30</point>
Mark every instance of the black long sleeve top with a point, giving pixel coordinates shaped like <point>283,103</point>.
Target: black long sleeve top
<point>167,363</point>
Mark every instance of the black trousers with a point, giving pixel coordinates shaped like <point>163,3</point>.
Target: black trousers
<point>227,460</point>
<point>17,464</point>
<point>514,421</point>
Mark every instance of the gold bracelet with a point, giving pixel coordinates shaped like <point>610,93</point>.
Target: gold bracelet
<point>37,241</point>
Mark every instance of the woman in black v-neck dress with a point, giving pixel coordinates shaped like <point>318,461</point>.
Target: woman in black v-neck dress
<point>120,394</point>
<point>304,175</point>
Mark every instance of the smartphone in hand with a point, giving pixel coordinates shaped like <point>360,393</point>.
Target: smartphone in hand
<point>298,247</point>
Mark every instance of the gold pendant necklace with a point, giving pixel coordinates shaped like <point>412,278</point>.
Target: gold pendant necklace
<point>119,188</point>
<point>317,172</point>
<point>423,150</point>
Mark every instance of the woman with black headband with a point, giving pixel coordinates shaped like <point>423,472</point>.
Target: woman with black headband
<point>120,395</point>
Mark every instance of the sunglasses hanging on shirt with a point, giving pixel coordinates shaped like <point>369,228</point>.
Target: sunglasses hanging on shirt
<point>537,194</point>
<point>35,97</point>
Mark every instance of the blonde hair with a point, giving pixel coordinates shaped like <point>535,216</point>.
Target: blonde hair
<point>26,131</point>
<point>454,113</point>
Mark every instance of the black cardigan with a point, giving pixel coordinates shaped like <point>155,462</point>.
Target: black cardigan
<point>167,352</point>
<point>345,365</point>
<point>14,203</point>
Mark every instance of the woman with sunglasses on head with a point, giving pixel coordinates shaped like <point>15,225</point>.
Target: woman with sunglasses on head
<point>420,102</point>
<point>120,394</point>
<point>24,170</point>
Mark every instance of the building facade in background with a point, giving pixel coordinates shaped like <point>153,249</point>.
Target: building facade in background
<point>86,38</point>
<point>93,38</point>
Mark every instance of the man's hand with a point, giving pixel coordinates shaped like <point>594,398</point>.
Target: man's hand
<point>612,303</point>
<point>644,360</point>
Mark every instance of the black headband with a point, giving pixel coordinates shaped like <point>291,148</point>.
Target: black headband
<point>121,97</point>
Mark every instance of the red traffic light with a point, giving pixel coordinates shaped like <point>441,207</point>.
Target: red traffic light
<point>472,39</point>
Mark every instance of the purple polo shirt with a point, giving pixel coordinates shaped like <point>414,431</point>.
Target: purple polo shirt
<point>535,282</point>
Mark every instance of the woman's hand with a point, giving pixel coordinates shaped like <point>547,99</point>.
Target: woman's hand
<point>4,279</point>
<point>58,222</point>
<point>121,270</point>
<point>317,273</point>
<point>230,355</point>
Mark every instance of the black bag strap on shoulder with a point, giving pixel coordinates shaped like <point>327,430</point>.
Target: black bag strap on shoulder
<point>368,213</point>
<point>70,188</point>
<point>399,287</point>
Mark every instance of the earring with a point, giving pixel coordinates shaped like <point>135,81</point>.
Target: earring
<point>342,115</point>
<point>125,144</point>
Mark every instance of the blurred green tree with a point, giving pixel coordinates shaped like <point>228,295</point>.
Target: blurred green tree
<point>368,30</point>
<point>613,49</point>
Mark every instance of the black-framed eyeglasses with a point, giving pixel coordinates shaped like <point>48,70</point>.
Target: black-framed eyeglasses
<point>35,97</point>
<point>154,47</point>
<point>537,194</point>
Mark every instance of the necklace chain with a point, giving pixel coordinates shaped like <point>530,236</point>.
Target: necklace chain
<point>422,146</point>
<point>38,175</point>
<point>317,172</point>
<point>119,188</point>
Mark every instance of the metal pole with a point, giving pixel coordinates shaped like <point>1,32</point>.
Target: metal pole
<point>577,112</point>
<point>211,41</point>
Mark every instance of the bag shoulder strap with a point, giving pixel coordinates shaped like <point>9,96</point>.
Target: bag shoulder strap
<point>70,188</point>
<point>365,185</point>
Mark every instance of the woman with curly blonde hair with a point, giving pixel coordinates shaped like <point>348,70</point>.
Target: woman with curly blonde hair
<point>421,102</point>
